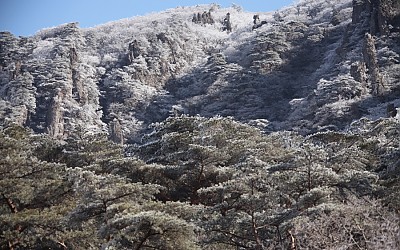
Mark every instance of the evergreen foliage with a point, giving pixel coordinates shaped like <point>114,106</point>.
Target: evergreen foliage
<point>206,183</point>
<point>152,132</point>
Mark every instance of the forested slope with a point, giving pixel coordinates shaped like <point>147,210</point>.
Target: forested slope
<point>171,131</point>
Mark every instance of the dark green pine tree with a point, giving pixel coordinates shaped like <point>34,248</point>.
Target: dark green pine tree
<point>35,194</point>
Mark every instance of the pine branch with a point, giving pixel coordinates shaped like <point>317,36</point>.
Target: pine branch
<point>10,204</point>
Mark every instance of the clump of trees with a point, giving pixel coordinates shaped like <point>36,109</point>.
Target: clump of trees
<point>202,183</point>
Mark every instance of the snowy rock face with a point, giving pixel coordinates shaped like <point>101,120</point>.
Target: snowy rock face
<point>308,67</point>
<point>383,15</point>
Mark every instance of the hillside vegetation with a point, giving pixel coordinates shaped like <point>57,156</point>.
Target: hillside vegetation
<point>172,132</point>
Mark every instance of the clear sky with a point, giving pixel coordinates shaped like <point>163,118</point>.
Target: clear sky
<point>25,17</point>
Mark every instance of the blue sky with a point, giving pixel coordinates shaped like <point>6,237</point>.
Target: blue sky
<point>25,17</point>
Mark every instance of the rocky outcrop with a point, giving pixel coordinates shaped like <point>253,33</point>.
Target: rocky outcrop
<point>371,62</point>
<point>16,82</point>
<point>383,15</point>
<point>116,133</point>
<point>45,84</point>
<point>389,11</point>
<point>8,45</point>
<point>358,72</point>
<point>134,50</point>
<point>204,18</point>
<point>303,75</point>
<point>359,8</point>
<point>391,111</point>
<point>55,117</point>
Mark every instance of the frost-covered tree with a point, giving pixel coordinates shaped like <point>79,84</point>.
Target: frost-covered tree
<point>200,152</point>
<point>84,149</point>
<point>206,183</point>
<point>35,194</point>
<point>354,224</point>
<point>100,199</point>
<point>192,157</point>
<point>150,230</point>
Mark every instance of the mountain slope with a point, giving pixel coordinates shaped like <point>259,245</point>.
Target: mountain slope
<point>315,167</point>
<point>307,68</point>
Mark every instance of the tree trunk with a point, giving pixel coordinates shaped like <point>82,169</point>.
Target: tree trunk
<point>259,245</point>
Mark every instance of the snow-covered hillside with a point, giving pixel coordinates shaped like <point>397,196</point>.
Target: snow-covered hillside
<point>308,67</point>
<point>241,131</point>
